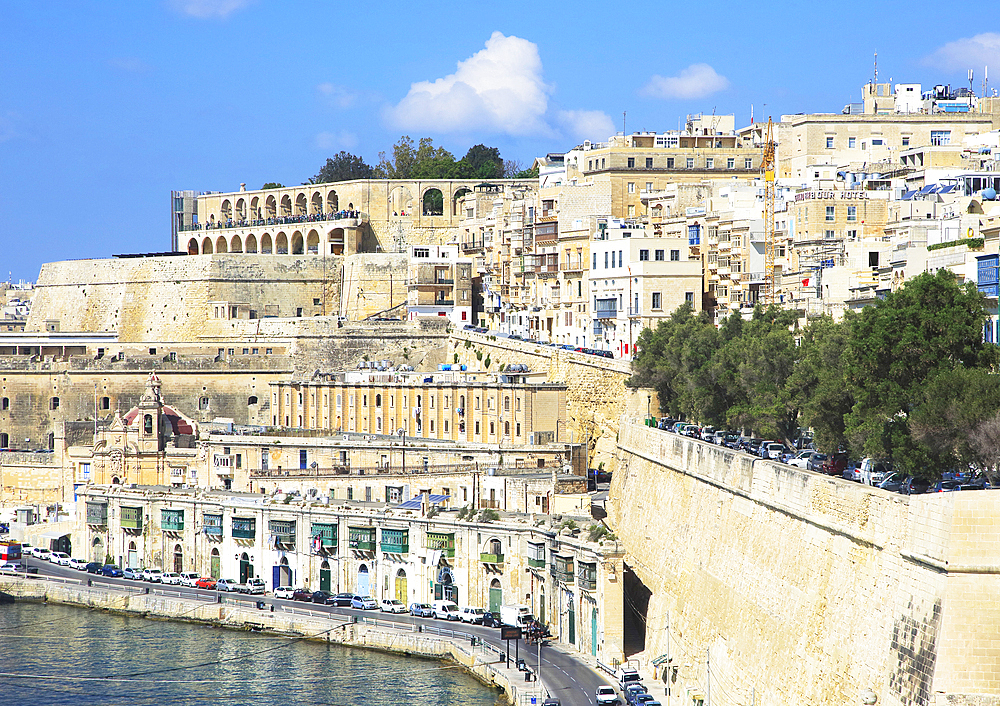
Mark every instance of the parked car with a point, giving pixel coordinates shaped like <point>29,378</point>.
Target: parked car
<point>719,438</point>
<point>801,459</point>
<point>492,620</point>
<point>343,600</point>
<point>606,695</point>
<point>78,564</point>
<point>816,462</point>
<point>60,558</point>
<point>471,614</point>
<point>132,573</point>
<point>731,441</point>
<point>189,578</point>
<point>707,433</point>
<point>254,586</point>
<point>445,610</point>
<point>753,446</point>
<point>874,471</point>
<point>205,582</point>
<point>302,594</point>
<point>422,610</point>
<point>914,486</point>
<point>152,575</point>
<point>835,464</point>
<point>391,605</point>
<point>774,451</point>
<point>324,597</point>
<point>632,687</point>
<point>944,486</point>
<point>893,482</point>
<point>978,481</point>
<point>111,570</point>
<point>227,585</point>
<point>364,603</point>
<point>10,569</point>
<point>94,567</point>
<point>284,592</point>
<point>43,554</point>
<point>171,578</point>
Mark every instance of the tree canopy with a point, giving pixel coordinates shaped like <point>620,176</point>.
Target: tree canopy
<point>908,379</point>
<point>344,166</point>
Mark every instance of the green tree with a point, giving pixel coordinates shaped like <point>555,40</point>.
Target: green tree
<point>929,326</point>
<point>819,384</point>
<point>343,167</point>
<point>524,174</point>
<point>272,185</point>
<point>482,162</point>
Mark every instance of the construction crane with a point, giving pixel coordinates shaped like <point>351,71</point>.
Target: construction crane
<point>767,167</point>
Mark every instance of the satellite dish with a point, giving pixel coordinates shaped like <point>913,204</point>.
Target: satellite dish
<point>400,431</point>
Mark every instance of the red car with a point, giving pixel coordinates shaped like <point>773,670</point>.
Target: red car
<point>205,582</point>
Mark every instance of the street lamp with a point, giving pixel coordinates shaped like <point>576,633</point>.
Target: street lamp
<point>649,400</point>
<point>402,435</point>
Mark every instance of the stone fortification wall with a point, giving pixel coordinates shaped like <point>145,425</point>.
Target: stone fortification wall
<point>805,588</point>
<point>373,284</point>
<point>596,395</point>
<point>171,298</point>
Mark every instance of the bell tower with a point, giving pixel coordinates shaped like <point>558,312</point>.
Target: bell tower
<point>150,417</point>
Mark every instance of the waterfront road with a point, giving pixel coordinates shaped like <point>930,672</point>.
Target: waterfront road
<point>566,677</point>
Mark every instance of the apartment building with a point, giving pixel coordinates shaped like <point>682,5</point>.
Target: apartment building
<point>439,284</point>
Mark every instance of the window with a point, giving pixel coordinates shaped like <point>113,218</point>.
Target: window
<point>594,266</point>
<point>748,163</point>
<point>643,255</point>
<point>54,403</point>
<point>675,255</point>
<point>829,234</point>
<point>852,213</point>
<point>203,404</point>
<point>659,255</point>
<point>906,142</point>
<point>709,163</point>
<point>689,297</point>
<point>631,187</point>
<point>940,137</point>
<point>606,261</point>
<point>649,162</point>
<point>649,187</point>
<point>877,142</point>
<point>421,252</point>
<point>147,424</point>
<point>631,162</point>
<point>731,163</point>
<point>246,351</point>
<point>670,162</point>
<point>5,403</point>
<point>268,351</point>
<point>852,142</point>
<point>690,163</point>
<point>830,213</point>
<point>477,427</point>
<point>657,301</point>
<point>590,164</point>
<point>829,142</point>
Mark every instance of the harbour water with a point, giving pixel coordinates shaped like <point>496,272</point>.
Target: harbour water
<point>62,655</point>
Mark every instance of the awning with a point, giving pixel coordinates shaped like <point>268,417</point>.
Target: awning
<point>53,535</point>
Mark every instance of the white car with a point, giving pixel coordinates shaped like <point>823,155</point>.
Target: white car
<point>60,558</point>
<point>284,592</point>
<point>227,585</point>
<point>171,578</point>
<point>801,459</point>
<point>606,695</point>
<point>391,605</point>
<point>41,553</point>
<point>78,564</point>
<point>188,578</point>
<point>10,569</point>
<point>471,614</point>
<point>152,575</point>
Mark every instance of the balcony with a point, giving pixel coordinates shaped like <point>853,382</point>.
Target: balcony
<point>172,520</point>
<point>444,302</point>
<point>491,558</point>
<point>362,545</point>
<point>586,578</point>
<point>131,518</point>
<point>606,313</point>
<point>97,514</point>
<point>442,542</point>
<point>395,548</point>
<point>567,267</point>
<point>537,563</point>
<point>243,529</point>
<point>562,570</point>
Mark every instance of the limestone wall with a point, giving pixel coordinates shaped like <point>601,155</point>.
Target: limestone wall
<point>805,588</point>
<point>596,395</point>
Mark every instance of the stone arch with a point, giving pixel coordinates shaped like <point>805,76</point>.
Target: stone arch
<point>270,207</point>
<point>432,202</point>
<point>301,207</point>
<point>265,244</point>
<point>221,245</point>
<point>255,207</point>
<point>226,210</point>
<point>251,244</point>
<point>241,209</point>
<point>337,241</point>
<point>332,201</point>
<point>400,587</point>
<point>312,243</point>
<point>193,246</point>
<point>281,244</point>
<point>401,200</point>
<point>458,197</point>
<point>297,243</point>
<point>316,205</point>
<point>178,558</point>
<point>206,246</point>
<point>97,550</point>
<point>286,205</point>
<point>236,245</point>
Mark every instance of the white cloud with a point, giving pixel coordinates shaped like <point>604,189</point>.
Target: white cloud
<point>338,96</point>
<point>586,124</point>
<point>967,53</point>
<point>696,81</point>
<point>336,140</point>
<point>209,9</point>
<point>498,89</point>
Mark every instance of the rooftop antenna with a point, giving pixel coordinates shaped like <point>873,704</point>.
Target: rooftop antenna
<point>623,123</point>
<point>875,80</point>
<point>970,80</point>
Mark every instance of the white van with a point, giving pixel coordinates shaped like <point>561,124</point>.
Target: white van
<point>471,614</point>
<point>445,610</point>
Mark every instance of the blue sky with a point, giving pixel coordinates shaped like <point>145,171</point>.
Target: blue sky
<point>106,106</point>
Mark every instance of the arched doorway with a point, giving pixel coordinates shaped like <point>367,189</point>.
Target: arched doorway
<point>571,609</point>
<point>444,587</point>
<point>246,568</point>
<point>297,248</point>
<point>216,564</point>
<point>192,247</point>
<point>178,558</point>
<point>400,594</point>
<point>282,573</point>
<point>324,576</point>
<point>132,557</point>
<point>364,585</point>
<point>265,244</point>
<point>496,596</point>
<point>97,550</point>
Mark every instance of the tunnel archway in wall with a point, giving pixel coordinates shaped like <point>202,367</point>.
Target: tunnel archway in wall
<point>634,609</point>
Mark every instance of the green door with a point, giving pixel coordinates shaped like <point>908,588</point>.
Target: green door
<point>593,632</point>
<point>246,569</point>
<point>216,566</point>
<point>496,599</point>
<point>324,577</point>
<point>572,623</point>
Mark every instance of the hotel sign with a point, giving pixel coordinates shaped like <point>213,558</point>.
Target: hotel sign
<point>826,195</point>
